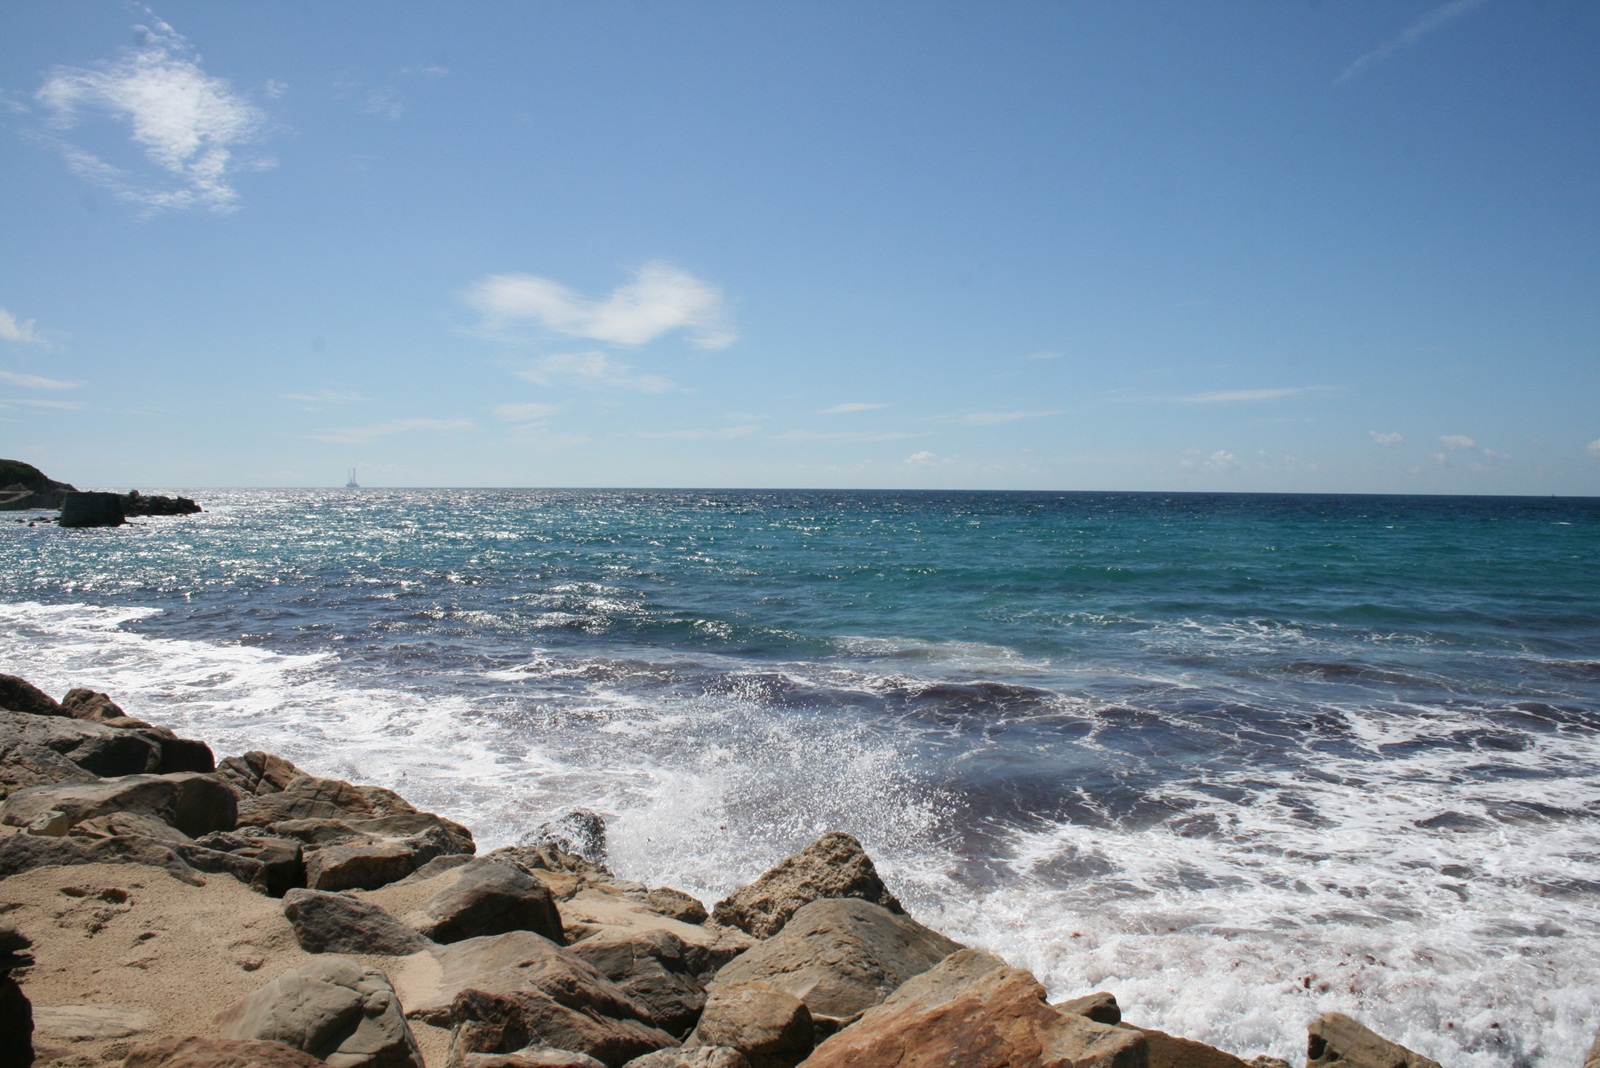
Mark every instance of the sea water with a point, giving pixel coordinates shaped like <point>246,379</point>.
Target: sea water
<point>1238,759</point>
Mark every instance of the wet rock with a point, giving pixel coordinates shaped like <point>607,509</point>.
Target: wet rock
<point>332,1008</point>
<point>1593,1058</point>
<point>1170,1051</point>
<point>504,1022</point>
<point>135,503</point>
<point>654,968</point>
<point>487,897</point>
<point>580,831</point>
<point>972,1009</point>
<point>197,1051</point>
<point>20,695</point>
<point>337,923</point>
<point>771,1028</point>
<point>841,956</point>
<point>834,865</point>
<point>1100,1007</point>
<point>92,509</point>
<point>192,802</point>
<point>1336,1039</point>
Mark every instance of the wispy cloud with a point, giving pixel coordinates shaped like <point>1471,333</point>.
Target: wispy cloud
<point>924,458</point>
<point>994,418</point>
<point>36,382</point>
<point>1388,441</point>
<point>660,299</point>
<point>360,435</point>
<point>29,402</point>
<point>1240,396</point>
<point>186,123</point>
<point>1433,20</point>
<point>529,412</point>
<point>850,406</point>
<point>594,370</point>
<point>1044,354</point>
<point>1221,461</point>
<point>22,332</point>
<point>1457,442</point>
<point>1593,448</point>
<point>743,430</point>
<point>323,399</point>
<point>847,436</point>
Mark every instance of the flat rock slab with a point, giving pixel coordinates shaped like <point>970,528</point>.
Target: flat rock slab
<point>533,1057</point>
<point>192,802</point>
<point>699,1057</point>
<point>197,1051</point>
<point>593,911</point>
<point>841,956</point>
<point>87,1023</point>
<point>834,865</point>
<point>975,1011</point>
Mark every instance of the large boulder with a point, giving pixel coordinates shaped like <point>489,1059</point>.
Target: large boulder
<point>92,509</point>
<point>367,861</point>
<point>94,747</point>
<point>487,897</point>
<point>20,695</point>
<point>198,1051</point>
<point>533,1057</point>
<point>504,1022</point>
<point>972,1009</point>
<point>332,1008</point>
<point>338,923</point>
<point>282,863</point>
<point>1170,1051</point>
<point>580,831</point>
<point>1335,1039</point>
<point>698,1057</point>
<point>834,865</point>
<point>841,956</point>
<point>770,1027</point>
<point>25,764</point>
<point>656,969</point>
<point>428,982</point>
<point>25,852</point>
<point>596,910</point>
<point>192,802</point>
<point>1101,1007</point>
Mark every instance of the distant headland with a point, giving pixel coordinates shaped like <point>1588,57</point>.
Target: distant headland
<point>24,487</point>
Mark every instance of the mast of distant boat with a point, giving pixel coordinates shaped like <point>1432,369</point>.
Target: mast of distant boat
<point>352,484</point>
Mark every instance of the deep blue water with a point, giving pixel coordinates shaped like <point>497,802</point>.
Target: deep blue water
<point>1239,758</point>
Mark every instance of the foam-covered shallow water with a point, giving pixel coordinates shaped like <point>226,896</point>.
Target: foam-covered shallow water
<point>1239,759</point>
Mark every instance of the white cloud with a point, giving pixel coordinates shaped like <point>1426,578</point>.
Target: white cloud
<point>743,430</point>
<point>660,299</point>
<point>1593,448</point>
<point>594,370</point>
<point>1441,459</point>
<point>1388,441</point>
<point>1044,354</point>
<point>1457,442</point>
<point>23,332</point>
<point>848,407</point>
<point>526,413</point>
<point>922,459</point>
<point>185,122</point>
<point>1222,460</point>
<point>35,382</point>
<point>1409,36</point>
<point>994,418</point>
<point>325,398</point>
<point>845,436</point>
<point>360,435</point>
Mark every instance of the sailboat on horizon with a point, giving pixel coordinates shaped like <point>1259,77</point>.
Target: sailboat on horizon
<point>352,484</point>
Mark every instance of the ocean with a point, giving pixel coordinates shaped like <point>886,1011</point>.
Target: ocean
<point>1239,759</point>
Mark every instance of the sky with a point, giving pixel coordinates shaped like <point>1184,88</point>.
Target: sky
<point>1229,246</point>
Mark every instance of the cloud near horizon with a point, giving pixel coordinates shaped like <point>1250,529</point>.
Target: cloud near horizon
<point>850,406</point>
<point>186,123</point>
<point>660,299</point>
<point>1388,441</point>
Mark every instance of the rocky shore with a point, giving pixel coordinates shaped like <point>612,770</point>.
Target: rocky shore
<point>24,487</point>
<point>159,907</point>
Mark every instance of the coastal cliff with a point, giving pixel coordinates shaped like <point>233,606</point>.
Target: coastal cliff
<point>167,908</point>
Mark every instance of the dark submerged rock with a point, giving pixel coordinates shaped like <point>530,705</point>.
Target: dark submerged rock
<point>92,509</point>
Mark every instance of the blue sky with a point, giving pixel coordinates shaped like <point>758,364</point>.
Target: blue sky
<point>1213,246</point>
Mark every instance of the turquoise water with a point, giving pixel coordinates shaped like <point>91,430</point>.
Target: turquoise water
<point>1241,759</point>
